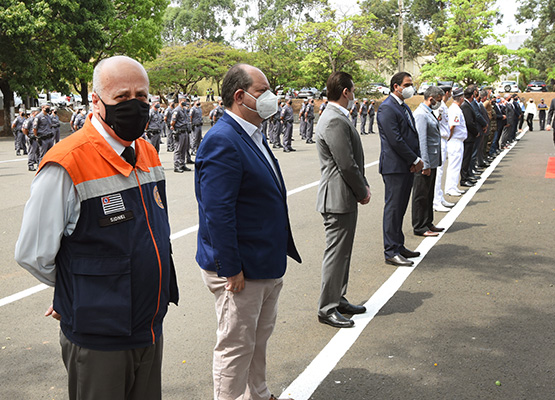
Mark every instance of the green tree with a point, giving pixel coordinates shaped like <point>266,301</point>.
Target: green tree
<point>271,14</point>
<point>180,68</point>
<point>193,20</point>
<point>278,56</point>
<point>542,40</point>
<point>469,49</point>
<point>40,42</point>
<point>340,44</point>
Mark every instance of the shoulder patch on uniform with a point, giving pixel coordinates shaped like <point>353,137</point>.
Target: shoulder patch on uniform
<point>157,197</point>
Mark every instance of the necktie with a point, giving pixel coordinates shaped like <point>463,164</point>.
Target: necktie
<point>129,155</point>
<point>409,117</point>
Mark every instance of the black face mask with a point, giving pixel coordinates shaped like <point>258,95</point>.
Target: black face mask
<point>128,118</point>
<point>47,110</point>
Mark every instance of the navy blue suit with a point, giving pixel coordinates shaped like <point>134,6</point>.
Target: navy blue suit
<point>399,150</point>
<point>243,217</point>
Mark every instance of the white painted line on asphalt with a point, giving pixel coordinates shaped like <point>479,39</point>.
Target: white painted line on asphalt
<point>13,160</point>
<point>308,381</point>
<point>22,294</point>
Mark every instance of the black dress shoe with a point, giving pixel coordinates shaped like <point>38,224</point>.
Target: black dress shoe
<point>467,184</point>
<point>32,168</point>
<point>399,260</point>
<point>178,170</point>
<point>351,309</point>
<point>434,228</point>
<point>336,320</point>
<point>409,254</point>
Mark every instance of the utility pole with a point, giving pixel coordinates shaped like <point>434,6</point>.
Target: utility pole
<point>401,40</point>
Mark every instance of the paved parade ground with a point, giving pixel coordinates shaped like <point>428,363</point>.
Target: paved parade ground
<point>474,319</point>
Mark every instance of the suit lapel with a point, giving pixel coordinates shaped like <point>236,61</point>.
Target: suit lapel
<point>247,139</point>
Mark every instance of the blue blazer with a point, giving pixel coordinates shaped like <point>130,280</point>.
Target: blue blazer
<point>243,217</point>
<point>399,140</point>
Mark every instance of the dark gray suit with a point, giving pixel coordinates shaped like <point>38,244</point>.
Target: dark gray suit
<point>342,186</point>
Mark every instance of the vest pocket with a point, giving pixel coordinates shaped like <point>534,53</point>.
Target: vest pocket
<point>102,296</point>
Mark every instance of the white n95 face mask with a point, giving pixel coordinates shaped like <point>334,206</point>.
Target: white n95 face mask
<point>266,104</point>
<point>407,92</point>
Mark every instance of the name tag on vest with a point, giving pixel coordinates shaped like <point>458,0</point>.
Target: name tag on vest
<point>116,218</point>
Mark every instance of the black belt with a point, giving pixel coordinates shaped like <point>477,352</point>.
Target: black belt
<point>195,125</point>
<point>182,131</point>
<point>155,131</point>
<point>47,136</point>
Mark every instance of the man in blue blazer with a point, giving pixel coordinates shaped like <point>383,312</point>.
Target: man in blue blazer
<point>244,233</point>
<point>399,160</point>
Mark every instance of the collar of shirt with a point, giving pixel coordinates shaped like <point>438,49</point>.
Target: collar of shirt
<point>114,144</point>
<point>246,125</point>
<point>397,98</point>
<point>426,107</point>
<point>340,108</point>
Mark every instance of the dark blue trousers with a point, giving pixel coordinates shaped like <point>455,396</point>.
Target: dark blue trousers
<point>397,194</point>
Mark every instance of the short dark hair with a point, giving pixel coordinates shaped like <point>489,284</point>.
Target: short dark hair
<point>337,82</point>
<point>469,92</point>
<point>398,79</point>
<point>236,78</point>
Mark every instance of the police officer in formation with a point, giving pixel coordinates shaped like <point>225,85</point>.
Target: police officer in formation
<point>19,137</point>
<point>196,122</point>
<point>323,106</point>
<point>55,125</point>
<point>33,153</point>
<point>154,126</point>
<point>302,120</point>
<point>80,118</point>
<point>42,129</point>
<point>181,128</point>
<point>275,127</point>
<point>371,116</point>
<point>354,113</point>
<point>363,112</point>
<point>72,119</point>
<point>287,120</point>
<point>168,121</point>
<point>309,118</point>
<point>219,111</point>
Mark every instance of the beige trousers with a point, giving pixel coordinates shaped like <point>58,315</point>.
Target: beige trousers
<point>246,321</point>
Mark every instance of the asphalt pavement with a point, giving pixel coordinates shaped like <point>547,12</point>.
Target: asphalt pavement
<point>478,309</point>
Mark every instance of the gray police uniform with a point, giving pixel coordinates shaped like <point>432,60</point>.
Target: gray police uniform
<point>55,127</point>
<point>302,121</point>
<point>219,113</point>
<point>182,128</point>
<point>309,114</point>
<point>264,128</point>
<point>43,126</point>
<point>196,121</point>
<point>155,126</point>
<point>79,121</point>
<point>19,137</point>
<point>354,114</point>
<point>33,154</point>
<point>287,118</point>
<point>275,128</point>
<point>371,116</point>
<point>168,118</point>
<point>363,116</point>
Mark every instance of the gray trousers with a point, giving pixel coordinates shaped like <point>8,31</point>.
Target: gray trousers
<point>196,138</point>
<point>33,154</point>
<point>309,128</point>
<point>154,140</point>
<point>363,124</point>
<point>287,134</point>
<point>45,145</point>
<point>171,142</point>
<point>20,141</point>
<point>181,154</point>
<point>113,375</point>
<point>340,234</point>
<point>302,127</point>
